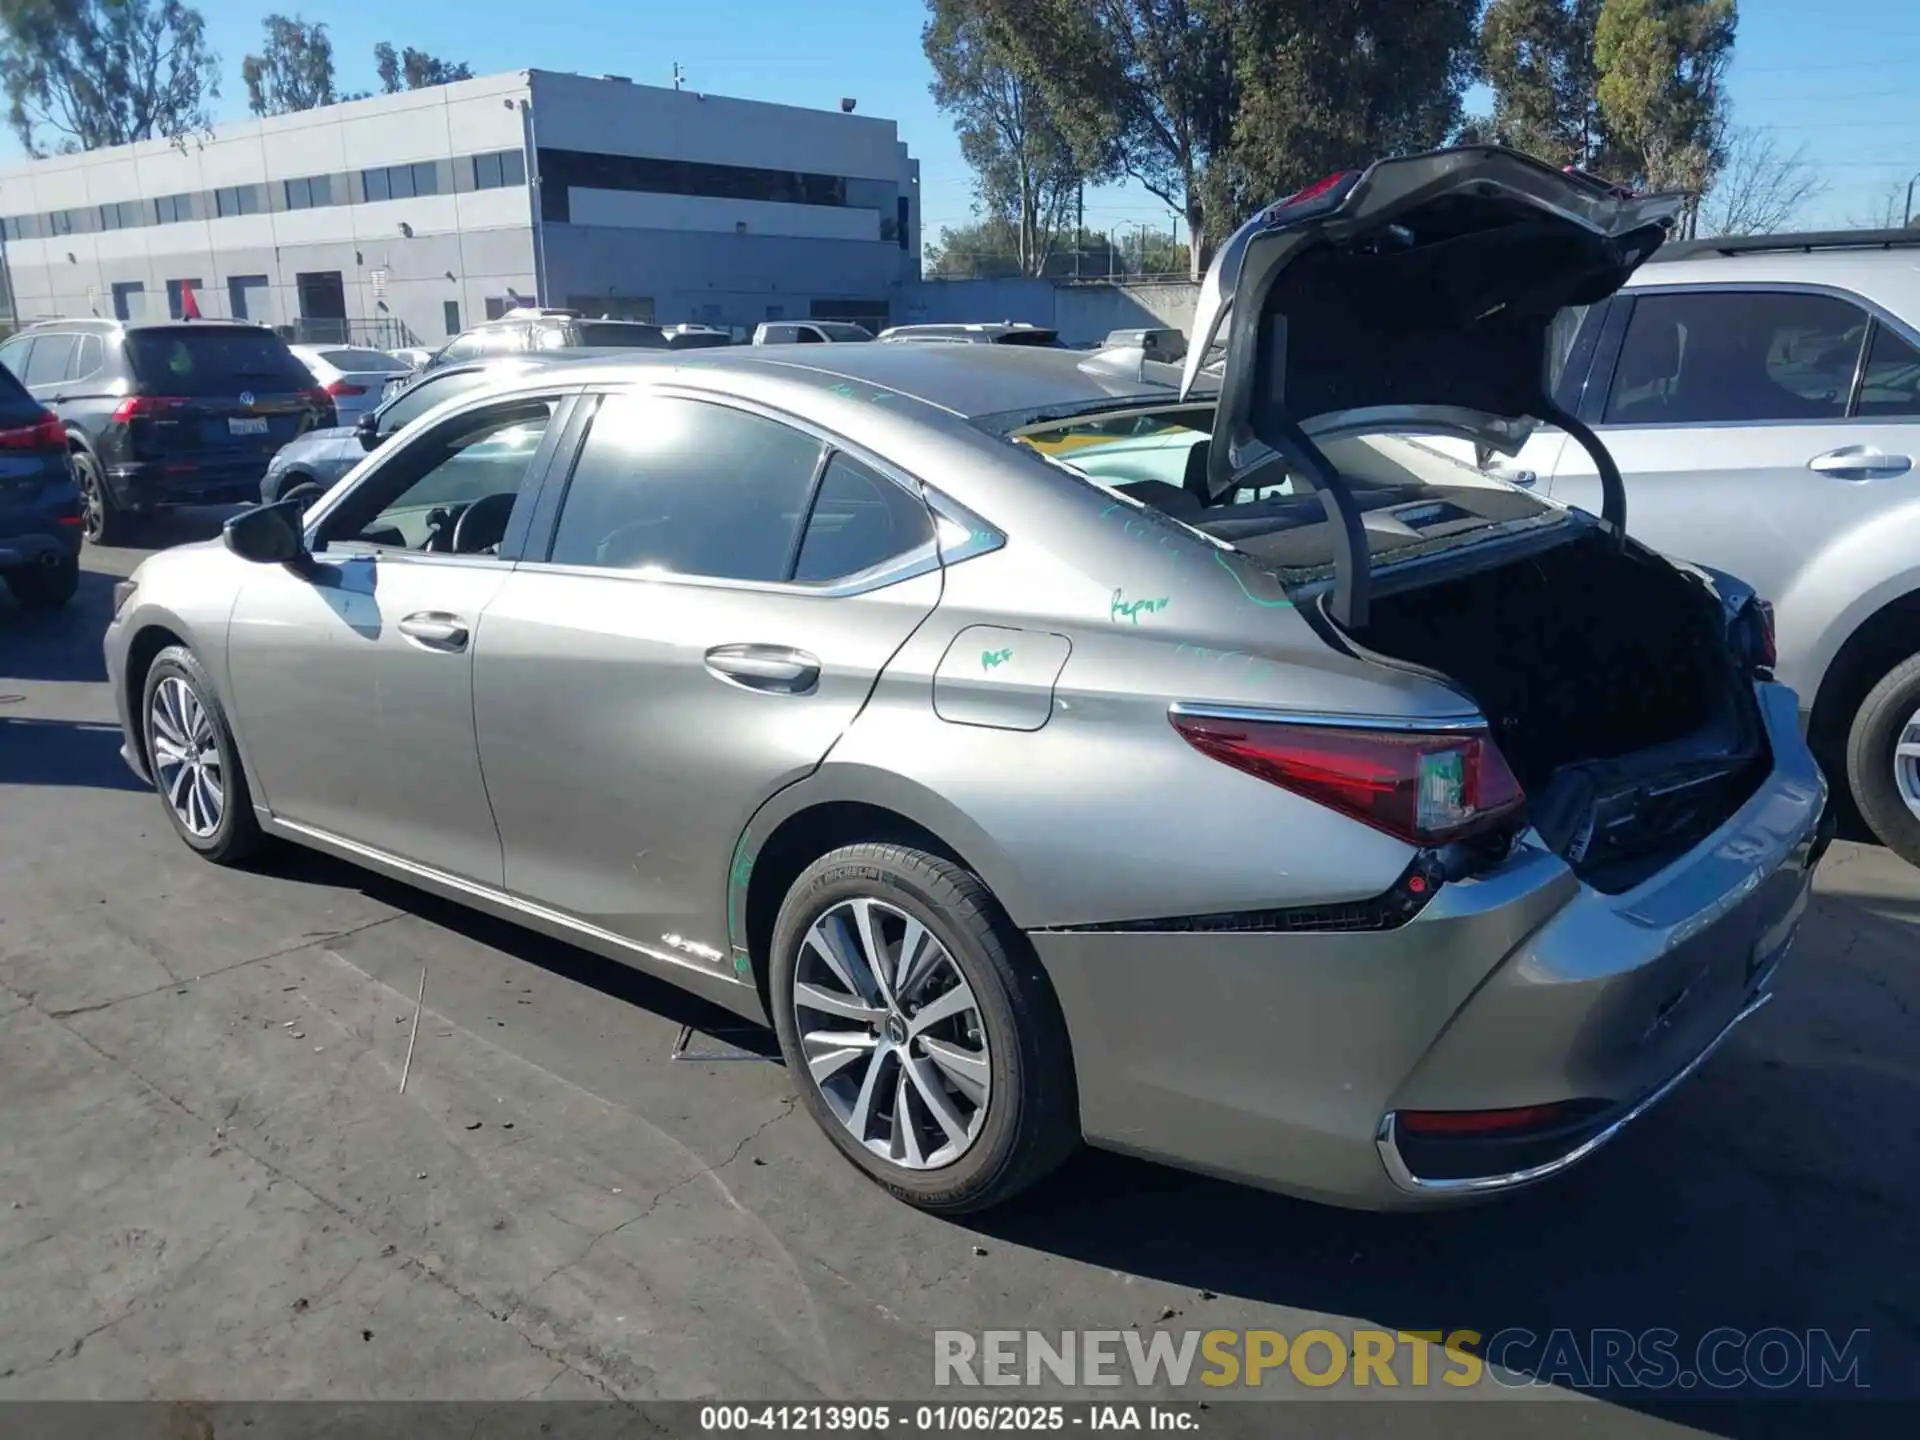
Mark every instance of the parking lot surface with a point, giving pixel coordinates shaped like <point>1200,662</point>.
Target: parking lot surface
<point>212,1184</point>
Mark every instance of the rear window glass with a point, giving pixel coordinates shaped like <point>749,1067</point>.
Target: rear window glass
<point>16,405</point>
<point>364,361</point>
<point>1048,338</point>
<point>602,336</point>
<point>194,361</point>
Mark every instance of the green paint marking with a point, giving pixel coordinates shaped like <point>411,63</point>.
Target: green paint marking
<point>845,389</point>
<point>1266,604</point>
<point>991,658</point>
<point>879,395</point>
<point>741,964</point>
<point>1123,608</point>
<point>982,537</point>
<point>742,866</point>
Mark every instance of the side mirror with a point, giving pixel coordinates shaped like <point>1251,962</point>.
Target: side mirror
<point>367,427</point>
<point>269,535</point>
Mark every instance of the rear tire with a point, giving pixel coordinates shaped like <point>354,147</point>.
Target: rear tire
<point>205,795</point>
<point>45,587</point>
<point>105,522</point>
<point>999,1065</point>
<point>1886,783</point>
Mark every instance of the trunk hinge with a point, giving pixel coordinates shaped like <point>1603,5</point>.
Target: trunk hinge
<point>1352,559</point>
<point>1613,489</point>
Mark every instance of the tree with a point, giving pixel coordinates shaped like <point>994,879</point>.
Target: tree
<point>1662,63</point>
<point>986,250</point>
<point>1025,172</point>
<point>1537,55</point>
<point>1759,189</point>
<point>414,69</point>
<point>83,74</point>
<point>295,70</point>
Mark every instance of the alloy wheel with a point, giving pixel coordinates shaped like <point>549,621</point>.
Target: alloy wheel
<point>186,757</point>
<point>1906,763</point>
<point>94,505</point>
<point>892,1034</point>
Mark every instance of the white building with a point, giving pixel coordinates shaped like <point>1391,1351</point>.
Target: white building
<point>405,218</point>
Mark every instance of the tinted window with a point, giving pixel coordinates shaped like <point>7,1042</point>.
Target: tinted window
<point>606,335</point>
<point>859,520</point>
<point>1892,383</point>
<point>89,357</point>
<point>1736,357</point>
<point>13,354</point>
<point>205,360</point>
<point>482,459</point>
<point>423,395</point>
<point>48,364</point>
<point>807,335</point>
<point>686,487</point>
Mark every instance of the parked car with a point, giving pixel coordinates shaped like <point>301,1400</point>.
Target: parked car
<point>353,376</point>
<point>40,513</point>
<point>1761,396</point>
<point>412,356</point>
<point>307,468</point>
<point>174,413</point>
<point>810,332</point>
<point>519,331</point>
<point>696,337</point>
<point>1339,819</point>
<point>1005,333</point>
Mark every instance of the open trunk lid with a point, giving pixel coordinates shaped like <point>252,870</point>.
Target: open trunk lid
<point>1416,295</point>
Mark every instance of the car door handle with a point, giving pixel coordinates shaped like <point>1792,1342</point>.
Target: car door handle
<point>773,668</point>
<point>1860,462</point>
<point>436,630</point>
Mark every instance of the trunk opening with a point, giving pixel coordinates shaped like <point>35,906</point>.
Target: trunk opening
<point>1612,689</point>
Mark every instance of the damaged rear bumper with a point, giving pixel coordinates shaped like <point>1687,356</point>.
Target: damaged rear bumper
<point>1288,1060</point>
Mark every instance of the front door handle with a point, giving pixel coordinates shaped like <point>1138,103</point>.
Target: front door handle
<point>436,630</point>
<point>1860,462</point>
<point>777,669</point>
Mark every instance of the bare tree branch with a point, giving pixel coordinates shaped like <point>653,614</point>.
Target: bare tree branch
<point>1760,188</point>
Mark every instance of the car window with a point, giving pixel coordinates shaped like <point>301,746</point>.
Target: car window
<point>686,487</point>
<point>604,335</point>
<point>1891,385</point>
<point>206,360</point>
<point>807,335</point>
<point>48,363</point>
<point>13,354</point>
<point>423,395</point>
<point>478,463</point>
<point>859,520</point>
<point>1734,357</point>
<point>88,357</point>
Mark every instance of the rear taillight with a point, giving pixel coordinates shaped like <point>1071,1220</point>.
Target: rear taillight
<point>341,387</point>
<point>136,406</point>
<point>319,399</point>
<point>1423,787</point>
<point>1487,1122</point>
<point>45,433</point>
<point>1315,199</point>
<point>1769,646</point>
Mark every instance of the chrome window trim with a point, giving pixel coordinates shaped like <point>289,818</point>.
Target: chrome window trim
<point>928,556</point>
<point>1461,722</point>
<point>1872,309</point>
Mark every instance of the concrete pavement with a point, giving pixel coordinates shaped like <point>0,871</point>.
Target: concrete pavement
<point>212,1187</point>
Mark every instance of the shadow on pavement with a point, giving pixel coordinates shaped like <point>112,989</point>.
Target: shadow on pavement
<point>61,644</point>
<point>63,752</point>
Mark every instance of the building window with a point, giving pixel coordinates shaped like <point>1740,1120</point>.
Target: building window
<point>450,316</point>
<point>60,222</point>
<point>498,305</point>
<point>401,182</point>
<point>561,170</point>
<point>309,192</point>
<point>124,215</point>
<point>500,170</point>
<point>172,209</point>
<point>129,300</point>
<point>22,227</point>
<point>177,296</point>
<point>238,200</point>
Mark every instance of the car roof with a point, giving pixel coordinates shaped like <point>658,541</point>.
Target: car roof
<point>970,381</point>
<point>94,324</point>
<point>1884,266</point>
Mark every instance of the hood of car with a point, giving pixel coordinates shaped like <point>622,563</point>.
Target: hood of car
<point>1416,295</point>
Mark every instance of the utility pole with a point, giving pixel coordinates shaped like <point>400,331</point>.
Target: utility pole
<point>678,75</point>
<point>1906,216</point>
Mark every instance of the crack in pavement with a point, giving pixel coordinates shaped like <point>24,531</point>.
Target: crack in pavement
<point>176,984</point>
<point>786,1109</point>
<point>409,1262</point>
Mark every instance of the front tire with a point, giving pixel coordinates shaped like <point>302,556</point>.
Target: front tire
<point>919,1029</point>
<point>105,522</point>
<point>1883,760</point>
<point>194,761</point>
<point>45,587</point>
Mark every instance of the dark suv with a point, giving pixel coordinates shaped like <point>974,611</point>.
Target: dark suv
<point>39,503</point>
<point>179,413</point>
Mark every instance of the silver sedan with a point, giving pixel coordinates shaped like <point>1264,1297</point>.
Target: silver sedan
<point>1057,746</point>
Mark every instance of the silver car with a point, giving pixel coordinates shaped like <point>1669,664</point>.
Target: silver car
<point>355,377</point>
<point>1761,396</point>
<point>1046,750</point>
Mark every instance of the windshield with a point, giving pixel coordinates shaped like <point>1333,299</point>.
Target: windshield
<point>192,360</point>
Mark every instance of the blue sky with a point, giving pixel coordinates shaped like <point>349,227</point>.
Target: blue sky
<point>1840,78</point>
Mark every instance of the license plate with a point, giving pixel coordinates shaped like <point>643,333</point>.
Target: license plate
<point>247,425</point>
